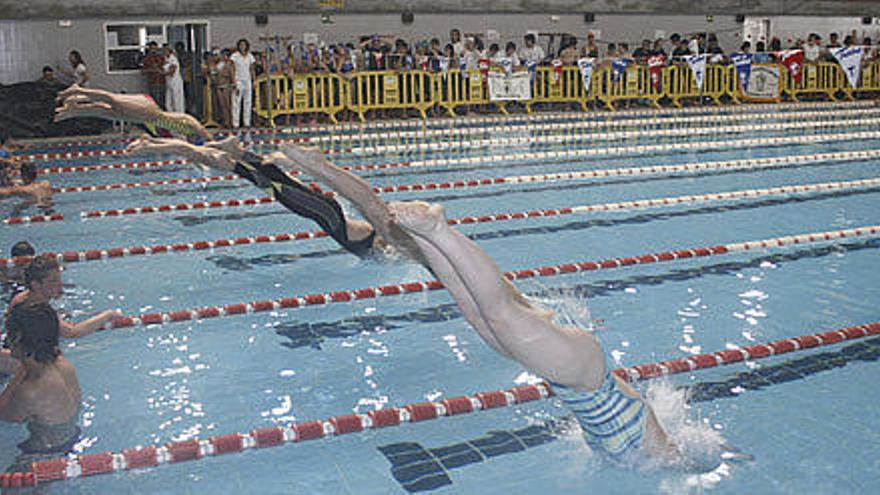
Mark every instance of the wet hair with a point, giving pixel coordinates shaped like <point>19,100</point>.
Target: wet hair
<point>33,328</point>
<point>28,172</point>
<point>22,248</point>
<point>39,268</point>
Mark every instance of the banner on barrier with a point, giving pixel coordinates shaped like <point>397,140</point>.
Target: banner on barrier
<point>516,86</point>
<point>763,83</point>
<point>697,63</point>
<point>655,70</point>
<point>793,60</point>
<point>850,59</point>
<point>743,64</point>
<point>618,67</point>
<point>585,65</point>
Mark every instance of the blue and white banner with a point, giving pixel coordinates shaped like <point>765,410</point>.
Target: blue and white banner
<point>850,59</point>
<point>743,64</point>
<point>532,66</point>
<point>462,67</point>
<point>618,67</point>
<point>507,65</point>
<point>585,65</point>
<point>443,64</point>
<point>697,63</point>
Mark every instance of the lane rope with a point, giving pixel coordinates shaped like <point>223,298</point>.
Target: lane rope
<point>555,155</point>
<point>340,296</point>
<point>64,468</point>
<point>531,140</point>
<point>731,164</point>
<point>102,254</point>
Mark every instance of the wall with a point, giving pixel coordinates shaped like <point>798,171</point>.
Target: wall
<point>39,42</point>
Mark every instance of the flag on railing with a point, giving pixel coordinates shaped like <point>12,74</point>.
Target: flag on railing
<point>697,63</point>
<point>443,64</point>
<point>793,60</point>
<point>557,71</point>
<point>743,64</point>
<point>618,67</point>
<point>507,65</point>
<point>586,67</point>
<point>850,59</point>
<point>462,66</point>
<point>483,65</point>
<point>532,66</point>
<point>655,70</point>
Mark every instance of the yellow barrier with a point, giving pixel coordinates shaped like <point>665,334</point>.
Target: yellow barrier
<point>378,90</point>
<point>457,88</point>
<point>824,78</point>
<point>567,87</point>
<point>679,82</point>
<point>208,105</point>
<point>279,94</point>
<point>870,78</point>
<point>633,84</point>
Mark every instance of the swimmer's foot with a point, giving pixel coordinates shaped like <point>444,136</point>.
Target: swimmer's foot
<point>417,217</point>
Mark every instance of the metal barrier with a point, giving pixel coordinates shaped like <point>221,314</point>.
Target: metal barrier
<point>824,78</point>
<point>280,94</point>
<point>566,87</point>
<point>208,106</point>
<point>634,84</point>
<point>679,82</point>
<point>458,88</point>
<point>379,90</point>
<point>419,90</point>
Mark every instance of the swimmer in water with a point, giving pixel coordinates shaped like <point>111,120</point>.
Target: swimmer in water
<point>43,392</point>
<point>359,237</point>
<point>139,109</point>
<point>43,281</point>
<point>614,418</point>
<point>28,187</point>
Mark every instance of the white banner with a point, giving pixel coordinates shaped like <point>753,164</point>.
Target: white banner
<point>586,67</point>
<point>697,63</point>
<point>850,59</point>
<point>516,86</point>
<point>763,83</point>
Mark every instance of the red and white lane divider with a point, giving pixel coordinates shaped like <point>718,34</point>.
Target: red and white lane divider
<point>101,254</point>
<point>520,140</point>
<point>64,468</point>
<point>111,166</point>
<point>522,179</point>
<point>153,183</point>
<point>540,117</point>
<point>544,271</point>
<point>545,155</point>
<point>731,164</point>
<point>34,219</point>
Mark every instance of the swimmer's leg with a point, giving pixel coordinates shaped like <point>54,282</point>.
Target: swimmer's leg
<point>564,355</point>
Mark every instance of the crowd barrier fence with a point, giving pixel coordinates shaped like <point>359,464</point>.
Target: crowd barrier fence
<point>361,93</point>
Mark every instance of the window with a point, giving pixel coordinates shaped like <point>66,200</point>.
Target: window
<point>125,43</point>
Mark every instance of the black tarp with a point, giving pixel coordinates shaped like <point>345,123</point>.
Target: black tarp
<point>26,111</point>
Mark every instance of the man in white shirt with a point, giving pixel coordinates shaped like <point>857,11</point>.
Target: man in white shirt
<point>174,99</point>
<point>531,52</point>
<point>812,48</point>
<point>242,97</point>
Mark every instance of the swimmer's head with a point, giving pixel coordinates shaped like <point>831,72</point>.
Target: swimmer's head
<point>28,172</point>
<point>43,277</point>
<point>33,332</point>
<point>22,248</point>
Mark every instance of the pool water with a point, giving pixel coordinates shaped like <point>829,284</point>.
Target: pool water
<point>809,419</point>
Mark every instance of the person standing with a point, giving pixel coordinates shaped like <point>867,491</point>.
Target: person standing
<point>80,73</point>
<point>242,98</point>
<point>174,99</point>
<point>152,69</point>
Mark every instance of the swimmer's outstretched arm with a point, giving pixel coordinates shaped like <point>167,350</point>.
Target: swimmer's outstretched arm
<point>219,155</point>
<point>76,330</point>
